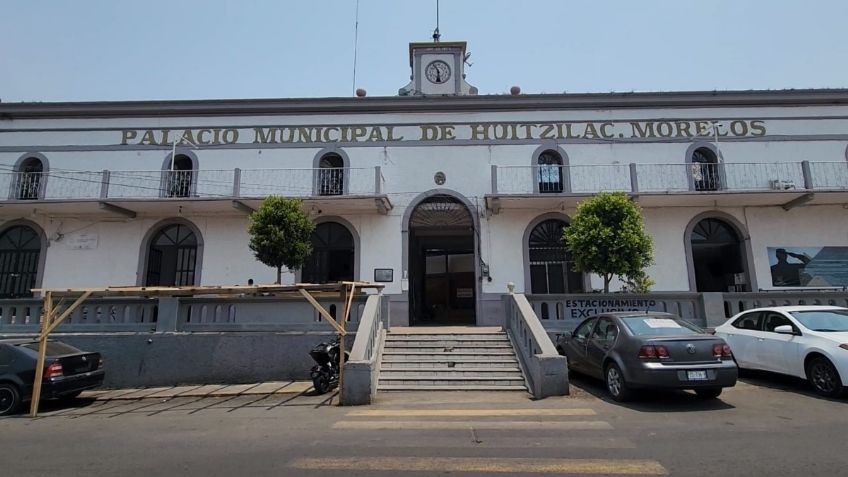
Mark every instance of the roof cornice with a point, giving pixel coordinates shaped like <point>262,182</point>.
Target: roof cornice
<point>421,104</point>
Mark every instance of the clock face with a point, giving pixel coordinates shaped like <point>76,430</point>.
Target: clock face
<point>437,72</point>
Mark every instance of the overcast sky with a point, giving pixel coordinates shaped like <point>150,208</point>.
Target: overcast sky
<point>81,50</point>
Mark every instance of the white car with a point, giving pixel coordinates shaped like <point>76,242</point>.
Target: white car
<point>810,342</point>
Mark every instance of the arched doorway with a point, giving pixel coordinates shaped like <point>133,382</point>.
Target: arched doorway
<point>442,263</point>
<point>717,257</point>
<point>333,255</point>
<point>20,251</point>
<point>172,257</point>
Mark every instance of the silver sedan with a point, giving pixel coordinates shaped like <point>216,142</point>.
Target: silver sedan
<point>637,350</point>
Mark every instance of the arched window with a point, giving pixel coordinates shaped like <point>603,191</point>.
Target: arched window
<point>717,257</point>
<point>172,257</point>
<point>550,266</point>
<point>333,252</point>
<point>29,180</point>
<point>331,175</point>
<point>705,169</point>
<point>20,250</point>
<point>550,174</point>
<point>179,177</point>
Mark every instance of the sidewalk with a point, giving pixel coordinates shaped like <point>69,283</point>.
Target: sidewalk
<point>198,390</point>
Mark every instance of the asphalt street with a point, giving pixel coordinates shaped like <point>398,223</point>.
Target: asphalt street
<point>767,425</point>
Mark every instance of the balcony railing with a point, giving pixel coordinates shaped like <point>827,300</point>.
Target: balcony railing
<point>661,178</point>
<point>234,183</point>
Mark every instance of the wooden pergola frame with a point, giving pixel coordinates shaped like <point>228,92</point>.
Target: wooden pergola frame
<point>53,314</point>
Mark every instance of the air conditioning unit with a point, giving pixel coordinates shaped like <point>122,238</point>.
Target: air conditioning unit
<point>780,184</point>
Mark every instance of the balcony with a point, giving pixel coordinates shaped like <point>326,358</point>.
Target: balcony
<point>127,193</point>
<point>786,184</point>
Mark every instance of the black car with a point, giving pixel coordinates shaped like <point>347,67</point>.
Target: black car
<point>67,372</point>
<point>633,350</point>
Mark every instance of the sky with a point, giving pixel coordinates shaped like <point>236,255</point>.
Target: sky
<point>112,50</point>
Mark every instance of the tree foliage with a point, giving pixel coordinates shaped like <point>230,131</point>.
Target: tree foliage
<point>607,236</point>
<point>281,233</point>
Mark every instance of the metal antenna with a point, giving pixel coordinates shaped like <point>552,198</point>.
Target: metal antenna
<point>355,49</point>
<point>436,34</point>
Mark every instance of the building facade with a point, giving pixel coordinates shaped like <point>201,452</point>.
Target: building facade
<point>444,195</point>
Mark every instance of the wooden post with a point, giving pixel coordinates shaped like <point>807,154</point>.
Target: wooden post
<point>46,316</point>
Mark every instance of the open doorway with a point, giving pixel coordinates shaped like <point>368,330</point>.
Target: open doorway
<point>442,263</point>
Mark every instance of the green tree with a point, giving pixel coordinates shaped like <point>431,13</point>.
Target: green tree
<point>280,234</point>
<point>607,237</point>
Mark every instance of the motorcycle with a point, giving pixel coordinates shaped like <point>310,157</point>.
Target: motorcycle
<point>325,374</point>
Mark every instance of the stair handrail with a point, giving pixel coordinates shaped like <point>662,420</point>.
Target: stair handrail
<point>546,370</point>
<point>362,369</point>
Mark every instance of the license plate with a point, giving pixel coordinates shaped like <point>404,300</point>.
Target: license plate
<point>696,375</point>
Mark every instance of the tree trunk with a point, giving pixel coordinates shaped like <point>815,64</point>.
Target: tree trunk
<point>279,275</point>
<point>607,279</point>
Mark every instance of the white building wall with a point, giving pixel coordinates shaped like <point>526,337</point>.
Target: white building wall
<point>794,134</point>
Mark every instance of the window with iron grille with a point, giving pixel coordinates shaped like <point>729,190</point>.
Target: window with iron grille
<point>28,180</point>
<point>172,257</point>
<point>179,180</point>
<point>705,170</point>
<point>332,258</point>
<point>20,249</point>
<point>550,172</point>
<point>331,175</point>
<point>550,265</point>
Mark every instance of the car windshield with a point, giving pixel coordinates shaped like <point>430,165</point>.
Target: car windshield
<point>658,326</point>
<point>823,320</point>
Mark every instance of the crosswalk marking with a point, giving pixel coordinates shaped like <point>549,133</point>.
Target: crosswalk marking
<point>483,464</point>
<point>536,425</point>
<point>469,412</point>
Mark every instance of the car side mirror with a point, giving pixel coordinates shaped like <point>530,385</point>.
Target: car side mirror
<point>784,330</point>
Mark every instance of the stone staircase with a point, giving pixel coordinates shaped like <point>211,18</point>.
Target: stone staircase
<point>449,359</point>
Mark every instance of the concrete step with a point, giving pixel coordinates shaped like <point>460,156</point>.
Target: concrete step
<point>448,387</point>
<point>470,354</point>
<point>449,364</point>
<point>452,344</point>
<point>460,360</point>
<point>458,380</point>
<point>419,338</point>
<point>446,330</point>
<point>426,373</point>
<point>448,349</point>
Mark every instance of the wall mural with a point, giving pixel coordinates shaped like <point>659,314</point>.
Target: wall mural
<point>808,266</point>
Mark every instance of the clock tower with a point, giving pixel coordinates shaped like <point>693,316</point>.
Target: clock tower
<point>438,69</point>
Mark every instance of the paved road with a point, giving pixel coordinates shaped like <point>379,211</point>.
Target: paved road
<point>767,425</point>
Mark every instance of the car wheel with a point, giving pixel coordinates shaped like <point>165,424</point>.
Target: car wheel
<point>10,398</point>
<point>708,393</point>
<point>824,378</point>
<point>616,385</point>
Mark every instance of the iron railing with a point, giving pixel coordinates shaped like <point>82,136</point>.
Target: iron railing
<point>662,178</point>
<point>233,183</point>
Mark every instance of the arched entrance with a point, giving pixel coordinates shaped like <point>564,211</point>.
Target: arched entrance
<point>717,257</point>
<point>20,251</point>
<point>442,263</point>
